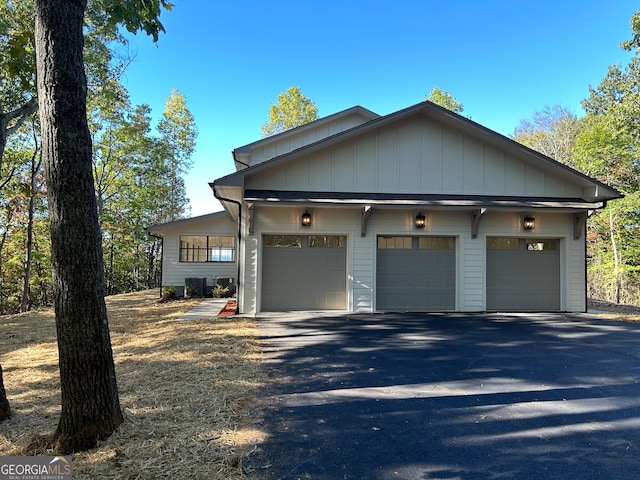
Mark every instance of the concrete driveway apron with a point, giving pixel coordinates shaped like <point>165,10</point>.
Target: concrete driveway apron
<point>423,396</point>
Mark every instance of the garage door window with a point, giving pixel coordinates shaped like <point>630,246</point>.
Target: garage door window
<point>394,243</point>
<point>499,243</point>
<point>435,243</point>
<point>327,241</point>
<point>538,245</point>
<point>283,241</point>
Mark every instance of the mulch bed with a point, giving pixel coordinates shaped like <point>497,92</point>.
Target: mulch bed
<point>229,309</point>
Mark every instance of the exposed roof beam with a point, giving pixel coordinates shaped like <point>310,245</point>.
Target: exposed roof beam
<point>364,219</point>
<point>475,223</point>
<point>579,223</point>
<point>252,215</point>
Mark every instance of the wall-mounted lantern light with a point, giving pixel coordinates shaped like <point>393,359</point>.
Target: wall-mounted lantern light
<point>421,220</point>
<point>305,220</point>
<point>529,223</point>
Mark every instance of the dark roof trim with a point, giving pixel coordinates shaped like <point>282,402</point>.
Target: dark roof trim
<point>163,226</point>
<point>416,200</point>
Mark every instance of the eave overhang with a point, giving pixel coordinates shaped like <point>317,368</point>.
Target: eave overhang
<point>593,190</point>
<point>230,196</point>
<point>426,201</point>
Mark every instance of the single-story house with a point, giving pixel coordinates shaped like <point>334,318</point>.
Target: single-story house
<point>418,210</point>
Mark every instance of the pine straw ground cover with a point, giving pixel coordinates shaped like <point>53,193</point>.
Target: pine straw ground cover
<point>184,390</point>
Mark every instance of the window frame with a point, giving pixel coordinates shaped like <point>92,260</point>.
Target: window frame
<point>212,244</point>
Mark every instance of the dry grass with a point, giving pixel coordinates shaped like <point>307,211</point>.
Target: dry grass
<point>612,311</point>
<point>184,388</point>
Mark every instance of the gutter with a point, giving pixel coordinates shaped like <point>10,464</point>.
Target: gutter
<point>220,197</point>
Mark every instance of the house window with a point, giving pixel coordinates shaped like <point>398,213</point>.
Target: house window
<point>203,248</point>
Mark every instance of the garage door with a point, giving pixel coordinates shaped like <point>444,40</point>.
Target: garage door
<point>523,274</point>
<point>416,273</point>
<point>304,272</point>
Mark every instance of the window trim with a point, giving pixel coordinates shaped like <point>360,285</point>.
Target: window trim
<point>211,246</point>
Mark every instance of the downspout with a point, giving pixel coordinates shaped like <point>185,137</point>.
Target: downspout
<point>161,257</point>
<point>219,197</point>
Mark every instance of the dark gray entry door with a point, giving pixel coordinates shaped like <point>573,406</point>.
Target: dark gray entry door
<point>523,274</point>
<point>304,272</point>
<point>416,273</point>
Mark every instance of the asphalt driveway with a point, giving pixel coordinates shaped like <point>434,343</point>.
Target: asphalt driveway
<point>404,396</point>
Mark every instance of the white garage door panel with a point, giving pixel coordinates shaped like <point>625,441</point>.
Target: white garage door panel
<point>523,274</point>
<point>303,273</point>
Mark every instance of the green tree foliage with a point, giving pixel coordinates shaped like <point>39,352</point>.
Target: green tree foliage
<point>445,100</point>
<point>292,110</point>
<point>603,144</point>
<point>607,148</point>
<point>17,64</point>
<point>551,131</point>
<point>137,172</point>
<point>139,182</point>
<point>23,204</point>
<point>177,144</point>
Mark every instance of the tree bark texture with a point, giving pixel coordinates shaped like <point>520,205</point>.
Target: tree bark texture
<point>90,405</point>
<point>5,408</point>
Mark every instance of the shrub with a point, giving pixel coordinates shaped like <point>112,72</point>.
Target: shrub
<point>169,293</point>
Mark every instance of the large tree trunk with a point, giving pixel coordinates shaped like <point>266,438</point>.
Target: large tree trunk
<point>90,405</point>
<point>5,409</point>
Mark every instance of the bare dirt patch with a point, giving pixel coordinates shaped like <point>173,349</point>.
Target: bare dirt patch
<point>184,387</point>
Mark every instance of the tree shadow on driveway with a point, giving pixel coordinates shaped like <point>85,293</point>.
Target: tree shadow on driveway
<point>430,396</point>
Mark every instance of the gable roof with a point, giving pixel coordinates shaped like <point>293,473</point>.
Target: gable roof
<point>161,227</point>
<point>354,115</point>
<point>593,190</point>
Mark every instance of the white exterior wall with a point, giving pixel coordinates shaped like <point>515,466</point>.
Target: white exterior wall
<point>416,155</point>
<point>174,272</point>
<point>361,251</point>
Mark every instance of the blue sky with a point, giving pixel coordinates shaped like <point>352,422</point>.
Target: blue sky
<point>503,59</point>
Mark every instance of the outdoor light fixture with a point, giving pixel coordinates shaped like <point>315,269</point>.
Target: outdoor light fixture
<point>306,219</point>
<point>420,220</point>
<point>529,222</point>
